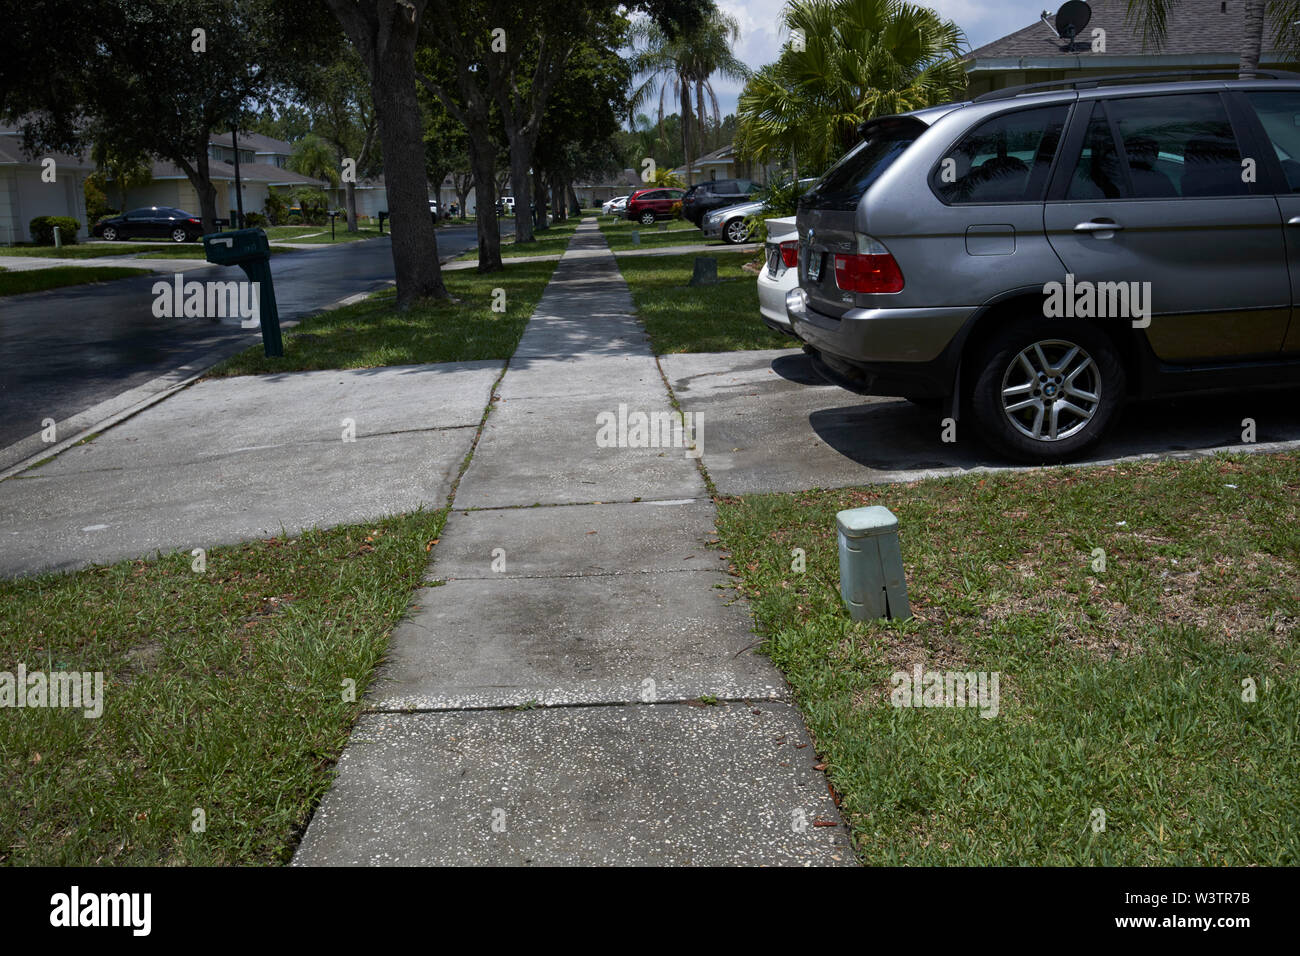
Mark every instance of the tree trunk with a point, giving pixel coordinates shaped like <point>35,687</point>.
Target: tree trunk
<point>482,156</point>
<point>387,47</point>
<point>414,239</point>
<point>200,179</point>
<point>574,205</point>
<point>521,186</point>
<point>686,131</point>
<point>462,195</point>
<point>350,203</point>
<point>1252,41</point>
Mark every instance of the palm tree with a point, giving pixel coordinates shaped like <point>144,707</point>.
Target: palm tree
<point>1151,17</point>
<point>857,59</point>
<point>683,66</point>
<point>125,172</point>
<point>313,157</point>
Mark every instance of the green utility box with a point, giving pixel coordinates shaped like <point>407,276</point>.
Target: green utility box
<point>871,564</point>
<point>250,250</point>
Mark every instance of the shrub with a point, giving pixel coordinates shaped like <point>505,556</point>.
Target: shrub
<point>295,220</point>
<point>277,210</point>
<point>42,229</point>
<point>782,200</point>
<point>254,220</point>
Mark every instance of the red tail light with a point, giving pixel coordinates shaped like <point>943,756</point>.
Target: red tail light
<point>790,253</point>
<point>195,221</point>
<point>871,269</point>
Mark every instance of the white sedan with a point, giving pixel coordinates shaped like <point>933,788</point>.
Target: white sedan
<point>613,207</point>
<point>780,274</point>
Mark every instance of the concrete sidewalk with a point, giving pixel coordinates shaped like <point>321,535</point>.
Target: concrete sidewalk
<point>583,687</point>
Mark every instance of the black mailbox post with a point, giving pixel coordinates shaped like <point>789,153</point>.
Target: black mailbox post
<point>249,249</point>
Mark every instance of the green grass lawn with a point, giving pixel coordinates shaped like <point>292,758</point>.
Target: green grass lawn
<point>92,250</point>
<point>683,318</point>
<point>551,241</point>
<point>56,277</point>
<point>673,232</point>
<point>1121,690</point>
<point>223,691</point>
<point>372,333</point>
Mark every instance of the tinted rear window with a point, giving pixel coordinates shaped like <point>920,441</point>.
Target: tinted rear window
<point>846,182</point>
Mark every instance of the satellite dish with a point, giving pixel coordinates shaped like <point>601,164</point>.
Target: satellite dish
<point>1073,16</point>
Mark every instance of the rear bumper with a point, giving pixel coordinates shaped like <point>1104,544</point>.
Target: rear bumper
<point>912,352</point>
<point>771,298</point>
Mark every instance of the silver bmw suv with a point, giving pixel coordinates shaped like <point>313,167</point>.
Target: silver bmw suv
<point>1041,255</point>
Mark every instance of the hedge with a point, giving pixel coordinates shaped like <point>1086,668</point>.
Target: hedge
<point>42,229</point>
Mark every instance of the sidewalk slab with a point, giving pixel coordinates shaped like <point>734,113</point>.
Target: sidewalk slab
<point>232,459</point>
<point>573,640</point>
<point>572,540</point>
<point>663,785</point>
<point>544,451</point>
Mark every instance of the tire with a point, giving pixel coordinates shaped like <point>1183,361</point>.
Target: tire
<point>180,235</point>
<point>734,232</point>
<point>1040,377</point>
<point>109,234</point>
<point>647,219</point>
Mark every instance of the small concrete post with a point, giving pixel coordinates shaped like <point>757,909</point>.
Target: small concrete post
<point>871,564</point>
<point>636,237</point>
<point>58,238</point>
<point>706,271</point>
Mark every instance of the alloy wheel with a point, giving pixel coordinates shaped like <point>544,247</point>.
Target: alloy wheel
<point>1051,390</point>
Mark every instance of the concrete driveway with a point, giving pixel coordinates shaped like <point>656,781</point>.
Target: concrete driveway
<point>771,424</point>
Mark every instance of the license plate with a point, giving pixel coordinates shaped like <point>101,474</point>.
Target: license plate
<point>814,264</point>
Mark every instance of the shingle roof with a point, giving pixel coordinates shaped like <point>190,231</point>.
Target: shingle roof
<point>248,172</point>
<point>11,153</point>
<point>254,141</point>
<point>1193,27</point>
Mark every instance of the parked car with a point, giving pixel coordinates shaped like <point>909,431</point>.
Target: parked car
<point>1041,255</point>
<point>150,222</point>
<point>612,207</point>
<point>728,223</point>
<point>647,206</point>
<point>703,198</point>
<point>780,274</point>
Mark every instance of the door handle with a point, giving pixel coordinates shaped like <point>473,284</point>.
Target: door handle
<point>1096,226</point>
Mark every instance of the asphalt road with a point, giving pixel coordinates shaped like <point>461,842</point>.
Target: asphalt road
<point>66,350</point>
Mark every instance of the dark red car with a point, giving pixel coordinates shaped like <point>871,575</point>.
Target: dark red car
<point>648,205</point>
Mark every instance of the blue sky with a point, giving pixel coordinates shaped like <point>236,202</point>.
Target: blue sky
<point>760,37</point>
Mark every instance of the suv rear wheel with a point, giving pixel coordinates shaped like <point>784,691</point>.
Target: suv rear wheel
<point>1047,391</point>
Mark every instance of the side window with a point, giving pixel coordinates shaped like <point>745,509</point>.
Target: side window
<point>1098,174</point>
<point>1004,159</point>
<point>1279,112</point>
<point>1179,145</point>
<point>140,214</point>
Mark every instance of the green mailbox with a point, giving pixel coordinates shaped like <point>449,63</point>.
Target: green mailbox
<point>249,249</point>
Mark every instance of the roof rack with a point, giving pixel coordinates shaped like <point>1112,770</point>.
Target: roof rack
<point>1091,82</point>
